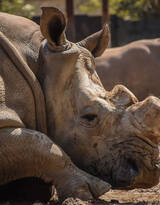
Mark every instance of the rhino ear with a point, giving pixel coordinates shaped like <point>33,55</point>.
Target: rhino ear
<point>98,42</point>
<point>52,25</point>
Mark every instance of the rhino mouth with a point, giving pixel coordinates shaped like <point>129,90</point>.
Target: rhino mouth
<point>141,171</point>
<point>137,167</point>
<point>125,175</point>
<point>130,175</point>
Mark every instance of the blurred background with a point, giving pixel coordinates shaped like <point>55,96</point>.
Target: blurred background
<point>129,20</point>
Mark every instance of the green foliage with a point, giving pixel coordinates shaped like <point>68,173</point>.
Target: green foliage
<point>131,9</point>
<point>127,9</point>
<point>18,7</point>
<point>90,6</point>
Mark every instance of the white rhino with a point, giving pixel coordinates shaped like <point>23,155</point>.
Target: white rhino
<point>135,65</point>
<point>52,103</point>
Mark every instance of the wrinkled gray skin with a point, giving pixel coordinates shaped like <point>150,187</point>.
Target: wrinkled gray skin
<point>108,134</point>
<point>135,65</point>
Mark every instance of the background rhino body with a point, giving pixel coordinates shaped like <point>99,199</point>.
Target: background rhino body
<point>99,130</point>
<point>135,65</point>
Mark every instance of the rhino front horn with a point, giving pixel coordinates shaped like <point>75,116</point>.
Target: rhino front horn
<point>146,115</point>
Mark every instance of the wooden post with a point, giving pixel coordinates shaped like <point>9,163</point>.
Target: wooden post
<point>0,4</point>
<point>105,12</point>
<point>105,15</point>
<point>70,17</point>
<point>157,3</point>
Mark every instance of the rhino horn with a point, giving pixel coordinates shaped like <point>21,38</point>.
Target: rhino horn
<point>52,25</point>
<point>147,119</point>
<point>97,42</point>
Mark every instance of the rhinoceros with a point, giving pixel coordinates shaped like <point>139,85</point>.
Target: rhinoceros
<point>135,65</point>
<point>57,121</point>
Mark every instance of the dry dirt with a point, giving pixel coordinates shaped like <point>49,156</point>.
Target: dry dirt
<point>114,197</point>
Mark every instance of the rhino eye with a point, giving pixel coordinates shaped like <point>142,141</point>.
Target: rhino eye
<point>89,120</point>
<point>89,117</point>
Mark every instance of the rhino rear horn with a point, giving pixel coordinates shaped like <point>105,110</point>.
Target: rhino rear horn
<point>98,42</point>
<point>52,25</point>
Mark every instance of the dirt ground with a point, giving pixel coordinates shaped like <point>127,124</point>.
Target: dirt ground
<point>114,197</point>
<point>152,196</point>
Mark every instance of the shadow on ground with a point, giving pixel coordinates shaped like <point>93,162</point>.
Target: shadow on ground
<point>33,191</point>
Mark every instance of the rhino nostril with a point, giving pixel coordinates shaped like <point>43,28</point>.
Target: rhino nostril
<point>132,164</point>
<point>126,173</point>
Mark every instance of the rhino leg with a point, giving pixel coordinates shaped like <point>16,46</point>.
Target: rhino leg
<point>28,153</point>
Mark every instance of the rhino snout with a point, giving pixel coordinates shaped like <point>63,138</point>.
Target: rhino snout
<point>145,116</point>
<point>136,150</point>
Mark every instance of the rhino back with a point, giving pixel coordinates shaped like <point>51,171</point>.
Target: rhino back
<point>25,36</point>
<point>135,65</point>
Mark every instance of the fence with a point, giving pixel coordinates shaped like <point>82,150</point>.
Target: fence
<point>122,31</point>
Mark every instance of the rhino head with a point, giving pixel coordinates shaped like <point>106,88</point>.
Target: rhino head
<point>109,134</point>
